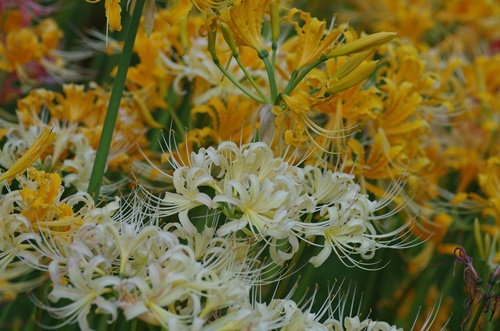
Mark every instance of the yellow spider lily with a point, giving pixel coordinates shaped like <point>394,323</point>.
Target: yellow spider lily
<point>34,152</point>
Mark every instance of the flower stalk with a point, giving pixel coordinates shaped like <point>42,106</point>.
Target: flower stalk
<point>264,55</point>
<point>211,49</point>
<point>114,104</point>
<point>226,32</point>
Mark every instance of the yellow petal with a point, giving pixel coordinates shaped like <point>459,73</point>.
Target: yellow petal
<point>179,11</point>
<point>245,22</point>
<point>113,10</point>
<point>32,154</point>
<point>459,198</point>
<point>408,127</point>
<point>145,114</point>
<point>300,103</point>
<point>313,37</point>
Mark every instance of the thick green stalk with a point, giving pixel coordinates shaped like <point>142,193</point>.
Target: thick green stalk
<point>114,104</point>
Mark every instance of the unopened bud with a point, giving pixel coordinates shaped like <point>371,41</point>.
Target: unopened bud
<point>361,73</point>
<point>362,44</point>
<point>145,114</point>
<point>275,21</point>
<point>352,63</point>
<point>212,36</point>
<point>228,37</point>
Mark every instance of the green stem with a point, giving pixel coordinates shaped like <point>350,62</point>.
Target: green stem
<point>294,75</point>
<point>235,82</point>
<point>270,74</point>
<point>294,82</point>
<point>479,312</point>
<point>250,79</point>
<point>488,295</point>
<point>114,104</point>
<point>290,82</point>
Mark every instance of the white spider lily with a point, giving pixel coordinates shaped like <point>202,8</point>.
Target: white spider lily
<point>270,200</point>
<point>177,278</point>
<point>65,137</point>
<point>348,230</point>
<point>38,224</point>
<point>85,289</point>
<point>187,182</point>
<point>260,205</point>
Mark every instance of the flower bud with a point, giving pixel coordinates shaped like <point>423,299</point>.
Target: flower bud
<point>228,37</point>
<point>362,44</point>
<point>358,75</point>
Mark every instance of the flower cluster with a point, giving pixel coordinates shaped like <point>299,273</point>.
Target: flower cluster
<point>29,54</point>
<point>109,260</point>
<point>267,199</point>
<point>76,118</point>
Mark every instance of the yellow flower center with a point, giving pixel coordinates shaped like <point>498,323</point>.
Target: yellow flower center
<point>42,206</point>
